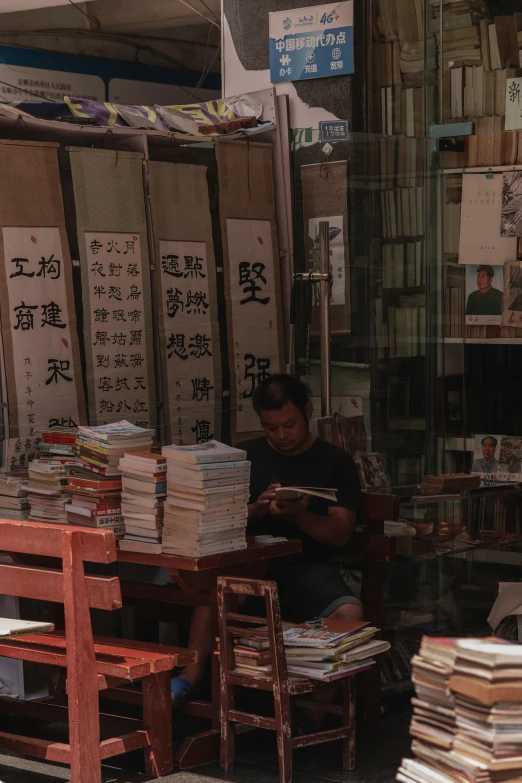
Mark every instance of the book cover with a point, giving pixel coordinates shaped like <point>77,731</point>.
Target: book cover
<point>484,295</point>
<point>213,451</point>
<point>480,238</point>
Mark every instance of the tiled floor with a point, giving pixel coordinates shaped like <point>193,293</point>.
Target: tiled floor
<point>380,748</point>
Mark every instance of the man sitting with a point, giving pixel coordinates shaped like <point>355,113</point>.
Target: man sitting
<point>308,584</point>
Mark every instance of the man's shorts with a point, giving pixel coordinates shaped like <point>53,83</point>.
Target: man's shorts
<point>308,590</point>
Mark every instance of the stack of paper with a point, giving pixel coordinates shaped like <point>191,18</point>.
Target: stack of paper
<point>144,489</point>
<point>14,501</point>
<point>485,685</point>
<point>314,653</point>
<point>48,495</point>
<point>95,502</point>
<point>99,449</point>
<point>207,499</point>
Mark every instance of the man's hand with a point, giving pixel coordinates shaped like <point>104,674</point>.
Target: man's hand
<point>290,510</point>
<point>261,508</point>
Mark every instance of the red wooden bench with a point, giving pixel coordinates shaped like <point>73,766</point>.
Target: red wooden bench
<point>92,664</point>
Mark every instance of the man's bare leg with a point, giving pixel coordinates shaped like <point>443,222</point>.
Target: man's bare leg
<point>200,639</point>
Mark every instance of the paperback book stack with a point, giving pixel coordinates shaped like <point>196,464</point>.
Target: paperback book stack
<point>433,720</point>
<point>313,653</point>
<point>95,501</point>
<point>48,491</point>
<point>14,500</point>
<point>144,489</point>
<point>486,747</point>
<point>206,508</point>
<point>57,444</point>
<point>99,449</point>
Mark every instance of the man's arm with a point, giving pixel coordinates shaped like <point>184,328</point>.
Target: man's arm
<point>335,529</point>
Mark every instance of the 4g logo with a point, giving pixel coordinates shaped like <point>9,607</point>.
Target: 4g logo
<point>329,18</point>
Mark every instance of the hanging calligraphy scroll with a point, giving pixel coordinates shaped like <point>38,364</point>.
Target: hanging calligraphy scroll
<point>252,280</point>
<point>325,194</point>
<point>40,343</point>
<point>117,311</point>
<point>187,303</point>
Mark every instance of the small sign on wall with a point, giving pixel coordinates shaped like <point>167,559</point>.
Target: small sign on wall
<point>310,43</point>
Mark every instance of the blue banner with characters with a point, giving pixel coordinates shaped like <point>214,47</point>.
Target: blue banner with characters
<point>310,43</point>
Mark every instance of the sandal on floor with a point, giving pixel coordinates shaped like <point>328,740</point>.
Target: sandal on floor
<point>181,690</point>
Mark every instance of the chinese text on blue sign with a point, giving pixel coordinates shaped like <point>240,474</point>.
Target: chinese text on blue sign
<point>310,43</point>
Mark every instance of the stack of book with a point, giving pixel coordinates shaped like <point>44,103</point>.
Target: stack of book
<point>48,491</point>
<point>450,482</point>
<point>144,489</point>
<point>57,443</point>
<point>433,721</point>
<point>14,501</point>
<point>99,449</point>
<point>95,501</point>
<point>206,508</point>
<point>481,740</point>
<point>313,653</point>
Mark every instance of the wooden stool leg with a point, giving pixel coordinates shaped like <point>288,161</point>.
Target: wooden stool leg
<point>284,734</point>
<point>157,720</point>
<point>349,720</point>
<point>227,691</point>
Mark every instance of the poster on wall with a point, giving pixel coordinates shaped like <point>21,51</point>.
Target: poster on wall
<point>337,258</point>
<point>484,295</point>
<point>39,336</point>
<point>481,218</point>
<point>120,326</point>
<point>253,306</point>
<point>189,324</point>
<point>514,103</point>
<point>311,42</point>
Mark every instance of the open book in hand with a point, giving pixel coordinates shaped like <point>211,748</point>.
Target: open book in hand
<point>296,493</point>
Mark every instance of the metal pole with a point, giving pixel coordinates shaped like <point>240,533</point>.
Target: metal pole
<point>326,370</point>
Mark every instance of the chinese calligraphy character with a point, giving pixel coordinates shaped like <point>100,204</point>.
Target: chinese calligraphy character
<point>176,346</point>
<point>121,383</point>
<point>49,266</point>
<point>52,316</point>
<point>196,302</point>
<point>101,315</point>
<point>112,245</point>
<point>120,360</point>
<point>248,277</point>
<point>115,269</point>
<point>513,94</point>
<point>97,269</point>
<point>118,315</point>
<point>105,384</point>
<point>119,339</point>
<point>200,389</point>
<point>199,346</point>
<point>140,382</point>
<point>135,316</point>
<point>254,377</point>
<point>19,268</point>
<point>134,293</point>
<point>193,267</point>
<point>174,302</point>
<point>136,360</point>
<point>95,247</point>
<point>58,367</point>
<point>102,360</point>
<point>25,317</point>
<point>129,246</point>
<point>202,431</point>
<point>100,338</point>
<point>136,338</point>
<point>99,291</point>
<point>170,266</point>
<point>132,270</point>
<point>115,292</point>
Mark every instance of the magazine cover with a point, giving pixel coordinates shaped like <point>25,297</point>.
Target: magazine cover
<point>484,295</point>
<point>511,221</point>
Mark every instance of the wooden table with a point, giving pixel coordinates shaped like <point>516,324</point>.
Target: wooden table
<point>197,580</point>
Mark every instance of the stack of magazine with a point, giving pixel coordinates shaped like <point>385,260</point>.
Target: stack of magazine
<point>326,653</point>
<point>206,508</point>
<point>143,493</point>
<point>99,449</point>
<point>95,501</point>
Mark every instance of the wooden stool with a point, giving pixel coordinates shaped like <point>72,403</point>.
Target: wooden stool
<point>283,686</point>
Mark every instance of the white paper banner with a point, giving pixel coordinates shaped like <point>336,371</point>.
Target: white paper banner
<point>119,323</point>
<point>254,313</point>
<point>41,336</point>
<point>187,319</point>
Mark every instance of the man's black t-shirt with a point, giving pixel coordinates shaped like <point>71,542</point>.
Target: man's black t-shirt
<point>322,465</point>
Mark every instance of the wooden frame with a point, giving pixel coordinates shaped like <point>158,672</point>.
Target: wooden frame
<point>278,681</point>
<point>92,665</point>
